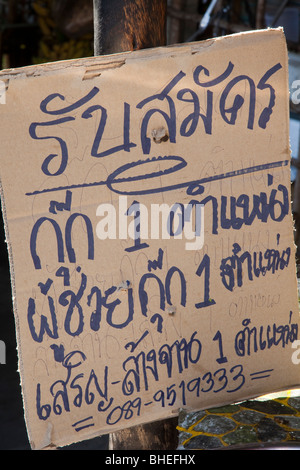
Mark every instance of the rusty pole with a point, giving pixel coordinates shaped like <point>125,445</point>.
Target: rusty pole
<point>119,26</point>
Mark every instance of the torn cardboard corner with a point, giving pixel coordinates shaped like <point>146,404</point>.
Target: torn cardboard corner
<point>146,200</point>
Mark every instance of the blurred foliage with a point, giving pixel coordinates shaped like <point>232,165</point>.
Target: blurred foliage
<point>53,45</point>
<point>33,32</point>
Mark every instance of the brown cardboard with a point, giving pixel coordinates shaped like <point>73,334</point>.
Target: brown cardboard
<point>116,331</point>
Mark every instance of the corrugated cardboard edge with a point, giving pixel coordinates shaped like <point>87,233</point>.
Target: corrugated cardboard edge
<point>106,62</point>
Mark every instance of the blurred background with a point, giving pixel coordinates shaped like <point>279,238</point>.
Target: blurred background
<point>39,31</point>
<point>36,31</point>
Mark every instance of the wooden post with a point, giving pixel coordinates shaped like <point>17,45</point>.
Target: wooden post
<point>119,26</point>
<point>127,25</point>
<point>159,435</point>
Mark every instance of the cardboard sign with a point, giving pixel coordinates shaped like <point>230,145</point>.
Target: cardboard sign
<point>146,199</point>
